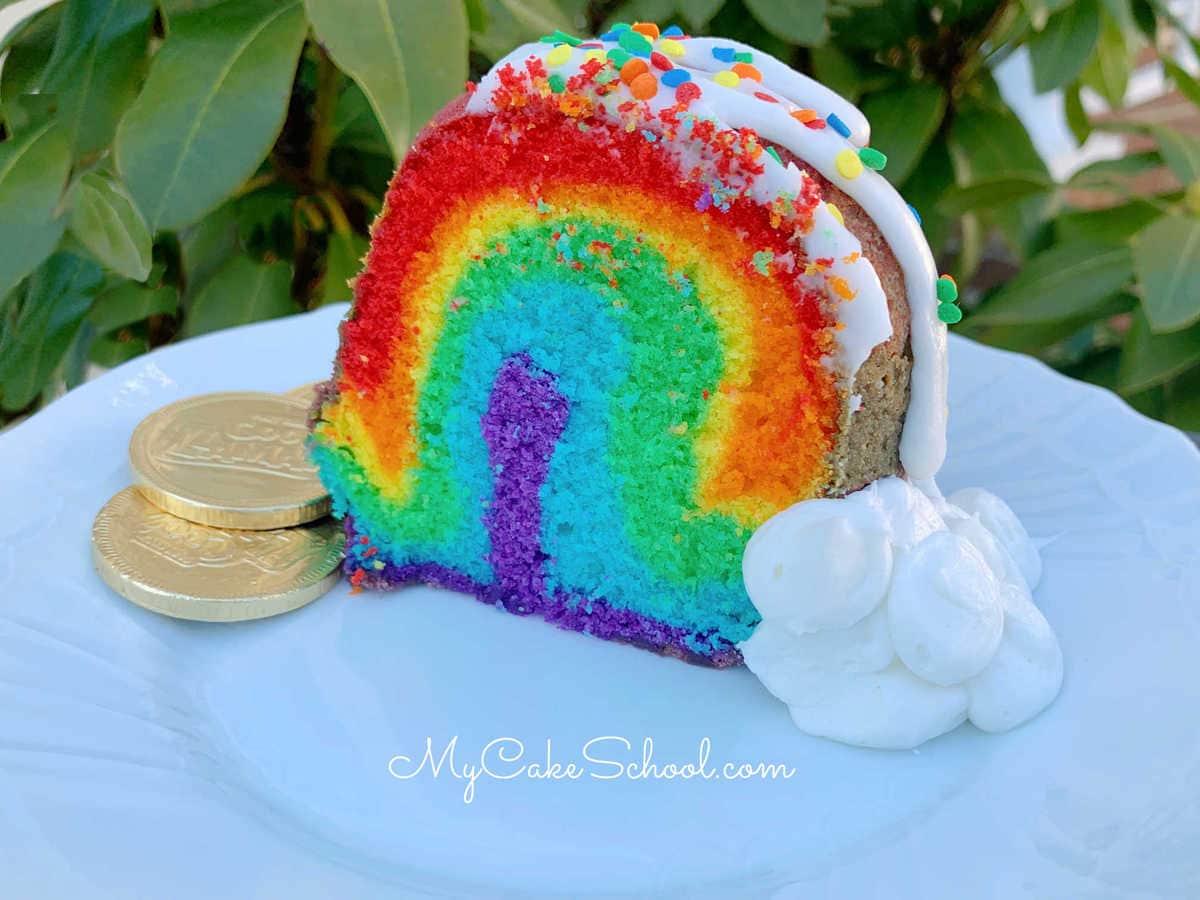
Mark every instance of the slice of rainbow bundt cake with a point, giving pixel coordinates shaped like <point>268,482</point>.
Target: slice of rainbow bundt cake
<point>627,299</point>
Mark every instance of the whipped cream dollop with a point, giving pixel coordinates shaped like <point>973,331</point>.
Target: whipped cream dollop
<point>893,615</point>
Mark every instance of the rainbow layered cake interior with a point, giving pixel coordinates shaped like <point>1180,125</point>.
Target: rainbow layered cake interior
<point>629,299</point>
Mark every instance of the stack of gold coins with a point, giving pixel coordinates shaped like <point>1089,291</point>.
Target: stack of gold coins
<point>226,519</point>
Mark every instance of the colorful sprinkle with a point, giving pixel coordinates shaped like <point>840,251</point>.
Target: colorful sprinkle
<point>949,313</point>
<point>724,54</point>
<point>557,83</point>
<point>773,153</point>
<point>916,215</point>
<point>632,69</point>
<point>648,29</point>
<point>745,70</point>
<point>872,158</point>
<point>619,57</point>
<point>672,31</point>
<point>848,164</point>
<point>765,97</point>
<point>635,43</point>
<point>727,78</point>
<point>594,54</point>
<point>676,77</point>
<point>687,92</point>
<point>804,115</point>
<point>815,124</point>
<point>670,47</point>
<point>644,86</point>
<point>610,36</point>
<point>558,55</point>
<point>836,213</point>
<point>561,37</point>
<point>947,290</point>
<point>837,125</point>
<point>621,26</point>
<point>660,62</point>
<point>744,57</point>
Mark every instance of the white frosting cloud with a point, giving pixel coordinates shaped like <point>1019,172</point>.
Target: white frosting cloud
<point>890,616</point>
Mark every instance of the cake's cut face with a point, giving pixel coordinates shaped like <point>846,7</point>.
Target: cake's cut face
<point>604,332</point>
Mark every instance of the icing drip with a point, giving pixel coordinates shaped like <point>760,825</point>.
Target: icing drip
<point>765,102</point>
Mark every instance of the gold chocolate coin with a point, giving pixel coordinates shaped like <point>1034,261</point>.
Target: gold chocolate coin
<point>305,394</point>
<point>233,460</point>
<point>191,571</point>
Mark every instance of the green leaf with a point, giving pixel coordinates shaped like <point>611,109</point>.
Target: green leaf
<point>1077,117</point>
<point>1108,70</point>
<point>408,56</point>
<point>515,22</point>
<point>992,193</point>
<point>903,122</point>
<point>33,171</point>
<point>107,222</point>
<point>1183,401</point>
<point>539,17</point>
<point>355,125</point>
<point>211,108</point>
<point>931,178</point>
<point>1186,84</point>
<point>241,291</point>
<point>1111,225</point>
<point>1180,151</point>
<point>56,301</point>
<point>1059,51</point>
<point>837,71</point>
<point>1148,359</point>
<point>129,303</point>
<point>29,46</point>
<point>699,12</point>
<point>343,262</point>
<point>1106,172</point>
<point>799,23</point>
<point>98,63</point>
<point>1064,281</point>
<point>990,142</point>
<point>1044,338</point>
<point>207,245</point>
<point>1166,257</point>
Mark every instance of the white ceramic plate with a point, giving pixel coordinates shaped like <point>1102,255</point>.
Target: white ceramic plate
<point>145,757</point>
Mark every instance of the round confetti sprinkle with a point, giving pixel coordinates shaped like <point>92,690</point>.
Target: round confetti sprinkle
<point>649,29</point>
<point>947,290</point>
<point>632,69</point>
<point>635,43</point>
<point>724,54</point>
<point>659,61</point>
<point>848,164</point>
<point>595,54</point>
<point>949,313</point>
<point>670,47</point>
<point>676,77</point>
<point>672,31</point>
<point>621,26</point>
<point>836,213</point>
<point>558,55</point>
<point>644,86</point>
<point>804,115</point>
<point>743,56</point>
<point>619,57</point>
<point>727,79</point>
<point>837,125</point>
<point>872,158</point>
<point>687,92</point>
<point>745,70</point>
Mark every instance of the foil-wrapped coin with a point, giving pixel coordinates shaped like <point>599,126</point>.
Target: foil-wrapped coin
<point>234,460</point>
<point>190,571</point>
<point>305,393</point>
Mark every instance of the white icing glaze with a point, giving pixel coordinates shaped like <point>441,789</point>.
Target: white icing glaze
<point>923,441</point>
<point>955,635</point>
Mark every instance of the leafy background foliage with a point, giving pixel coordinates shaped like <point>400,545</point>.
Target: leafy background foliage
<point>172,167</point>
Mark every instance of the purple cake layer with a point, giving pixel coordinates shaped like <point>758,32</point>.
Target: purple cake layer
<point>524,420</point>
